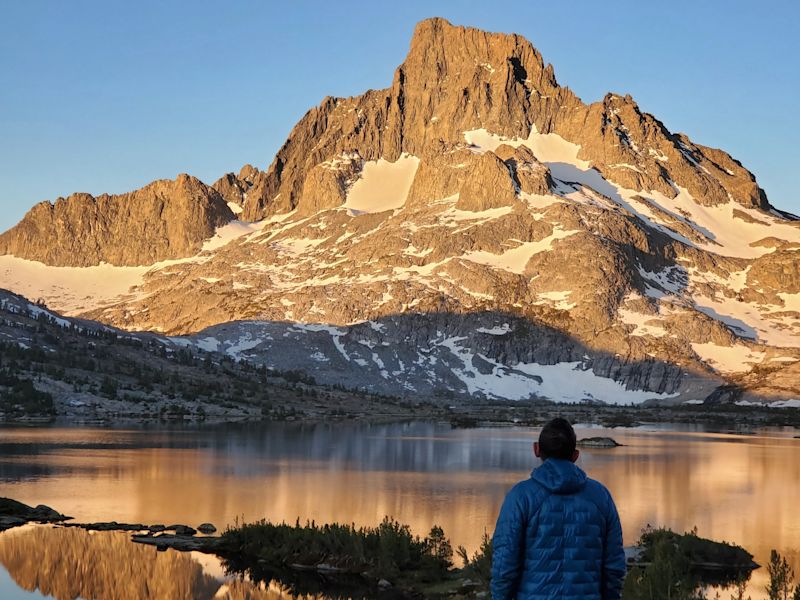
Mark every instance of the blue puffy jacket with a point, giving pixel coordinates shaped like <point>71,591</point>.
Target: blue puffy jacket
<point>558,536</point>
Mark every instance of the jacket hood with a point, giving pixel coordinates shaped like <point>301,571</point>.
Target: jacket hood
<point>559,476</point>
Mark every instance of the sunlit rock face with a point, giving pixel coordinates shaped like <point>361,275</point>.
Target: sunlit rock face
<point>475,184</point>
<point>163,220</point>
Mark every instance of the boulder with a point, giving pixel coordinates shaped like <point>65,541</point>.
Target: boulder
<point>181,529</point>
<point>206,528</point>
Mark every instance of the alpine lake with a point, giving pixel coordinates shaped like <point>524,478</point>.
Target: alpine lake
<point>742,488</point>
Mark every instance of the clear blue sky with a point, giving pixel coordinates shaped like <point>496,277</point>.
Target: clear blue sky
<point>105,96</point>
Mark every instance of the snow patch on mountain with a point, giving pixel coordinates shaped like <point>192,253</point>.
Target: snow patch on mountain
<point>556,298</point>
<point>729,235</point>
<point>561,382</point>
<point>70,290</point>
<point>643,324</point>
<point>20,306</point>
<point>497,330</point>
<point>793,403</point>
<point>548,148</point>
<point>764,323</point>
<point>452,215</point>
<point>726,234</point>
<point>729,359</point>
<point>232,231</point>
<point>515,259</point>
<point>383,185</point>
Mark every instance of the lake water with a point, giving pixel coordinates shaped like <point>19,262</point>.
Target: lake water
<point>740,488</point>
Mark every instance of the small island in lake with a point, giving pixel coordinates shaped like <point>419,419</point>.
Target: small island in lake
<point>598,442</point>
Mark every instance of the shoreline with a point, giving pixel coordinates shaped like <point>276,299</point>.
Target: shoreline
<point>488,414</point>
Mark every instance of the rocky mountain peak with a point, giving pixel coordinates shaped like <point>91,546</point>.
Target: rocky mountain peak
<point>459,79</point>
<point>163,220</point>
<point>456,79</point>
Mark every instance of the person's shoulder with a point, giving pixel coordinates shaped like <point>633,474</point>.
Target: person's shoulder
<point>596,485</point>
<point>524,486</point>
<point>527,488</point>
<point>598,491</point>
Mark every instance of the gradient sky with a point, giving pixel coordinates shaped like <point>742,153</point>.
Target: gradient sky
<point>107,96</point>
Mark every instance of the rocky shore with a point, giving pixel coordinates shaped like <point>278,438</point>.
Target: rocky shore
<point>14,514</point>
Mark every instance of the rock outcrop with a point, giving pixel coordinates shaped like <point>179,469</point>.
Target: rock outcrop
<point>488,184</point>
<point>235,189</point>
<point>163,220</point>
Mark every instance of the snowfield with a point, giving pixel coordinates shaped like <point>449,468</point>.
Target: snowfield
<point>382,186</point>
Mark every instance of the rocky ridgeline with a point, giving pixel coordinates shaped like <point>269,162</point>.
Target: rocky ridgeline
<point>454,79</point>
<point>475,193</point>
<point>457,79</point>
<point>163,220</point>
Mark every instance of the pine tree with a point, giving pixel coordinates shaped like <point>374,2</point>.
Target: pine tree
<point>781,577</point>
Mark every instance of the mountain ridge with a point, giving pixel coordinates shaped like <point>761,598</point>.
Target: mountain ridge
<point>476,184</point>
<point>163,220</point>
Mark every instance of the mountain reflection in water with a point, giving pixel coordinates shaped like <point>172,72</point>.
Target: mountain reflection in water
<point>69,563</point>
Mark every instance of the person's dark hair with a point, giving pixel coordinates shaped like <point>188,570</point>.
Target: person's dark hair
<point>557,440</point>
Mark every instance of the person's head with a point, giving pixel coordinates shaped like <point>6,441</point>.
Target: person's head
<point>557,440</point>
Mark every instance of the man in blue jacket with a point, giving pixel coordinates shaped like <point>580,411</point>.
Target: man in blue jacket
<point>558,534</point>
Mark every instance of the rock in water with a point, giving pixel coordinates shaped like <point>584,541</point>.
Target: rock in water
<point>181,529</point>
<point>14,513</point>
<point>598,442</point>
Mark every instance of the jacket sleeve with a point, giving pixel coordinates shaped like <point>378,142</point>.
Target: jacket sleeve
<point>508,546</point>
<point>614,566</point>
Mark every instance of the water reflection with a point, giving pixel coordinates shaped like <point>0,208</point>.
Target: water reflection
<point>733,487</point>
<point>71,563</point>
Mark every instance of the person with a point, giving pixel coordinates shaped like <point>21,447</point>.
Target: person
<point>558,534</point>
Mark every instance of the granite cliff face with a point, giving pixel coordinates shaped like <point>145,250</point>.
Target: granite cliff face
<point>480,229</point>
<point>163,220</point>
<point>457,79</point>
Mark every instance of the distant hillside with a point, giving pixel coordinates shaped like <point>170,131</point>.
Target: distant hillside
<point>51,366</point>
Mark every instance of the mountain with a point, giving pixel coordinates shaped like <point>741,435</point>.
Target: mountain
<point>51,365</point>
<point>163,220</point>
<point>475,229</point>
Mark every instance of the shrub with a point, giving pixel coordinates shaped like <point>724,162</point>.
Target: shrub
<point>479,566</point>
<point>387,551</point>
